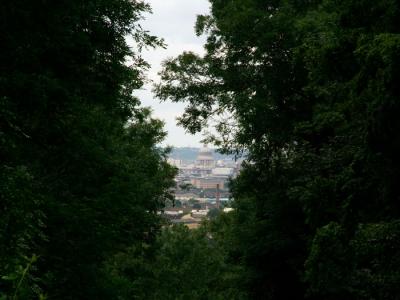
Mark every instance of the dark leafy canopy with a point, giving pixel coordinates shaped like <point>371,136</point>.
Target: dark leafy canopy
<point>181,264</point>
<point>310,88</point>
<point>80,176</point>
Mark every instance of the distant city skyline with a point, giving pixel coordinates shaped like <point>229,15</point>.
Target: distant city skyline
<point>172,20</point>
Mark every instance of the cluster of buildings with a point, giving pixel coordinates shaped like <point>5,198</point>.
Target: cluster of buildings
<point>201,186</point>
<point>205,177</point>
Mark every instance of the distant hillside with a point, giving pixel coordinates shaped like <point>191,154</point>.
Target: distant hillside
<point>189,153</point>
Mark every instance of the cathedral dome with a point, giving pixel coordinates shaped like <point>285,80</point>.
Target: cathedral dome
<point>205,159</point>
<point>205,154</point>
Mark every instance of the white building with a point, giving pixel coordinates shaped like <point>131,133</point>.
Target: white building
<point>205,159</point>
<point>224,172</point>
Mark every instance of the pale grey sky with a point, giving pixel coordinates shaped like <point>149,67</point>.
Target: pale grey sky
<point>173,20</point>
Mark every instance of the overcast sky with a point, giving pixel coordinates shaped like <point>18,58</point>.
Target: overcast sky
<point>174,21</point>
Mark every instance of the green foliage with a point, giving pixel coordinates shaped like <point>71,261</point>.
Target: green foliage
<point>23,289</point>
<point>182,264</point>
<point>196,206</point>
<point>80,174</point>
<point>309,90</point>
<point>213,213</point>
<point>193,201</point>
<point>22,226</point>
<point>366,267</point>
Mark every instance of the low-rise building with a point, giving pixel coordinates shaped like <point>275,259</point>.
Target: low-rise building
<point>208,182</point>
<point>223,172</point>
<point>199,214</point>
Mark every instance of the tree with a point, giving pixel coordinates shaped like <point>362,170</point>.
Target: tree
<point>196,206</point>
<point>309,89</point>
<point>213,213</point>
<point>81,174</point>
<point>182,264</point>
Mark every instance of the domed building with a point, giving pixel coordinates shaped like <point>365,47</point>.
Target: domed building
<point>205,159</point>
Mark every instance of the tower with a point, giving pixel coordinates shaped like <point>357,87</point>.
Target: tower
<point>217,197</point>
